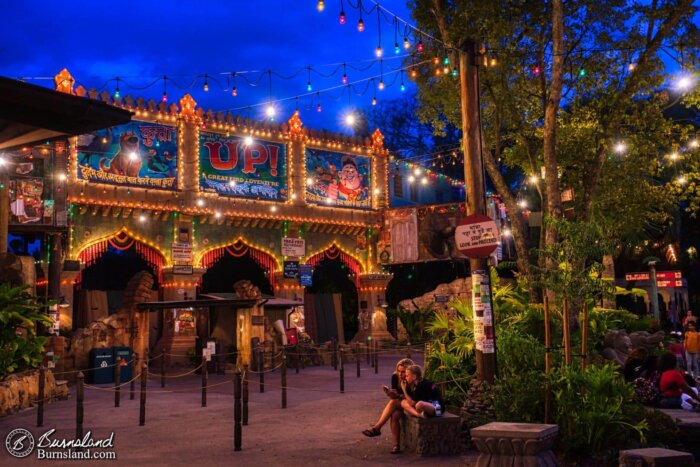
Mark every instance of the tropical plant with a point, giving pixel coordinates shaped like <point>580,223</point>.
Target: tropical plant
<point>20,313</point>
<point>414,321</point>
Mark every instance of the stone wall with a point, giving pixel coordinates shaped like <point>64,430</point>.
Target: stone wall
<point>458,288</point>
<point>21,390</point>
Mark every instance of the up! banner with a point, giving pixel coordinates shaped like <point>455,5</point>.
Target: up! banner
<point>230,167</point>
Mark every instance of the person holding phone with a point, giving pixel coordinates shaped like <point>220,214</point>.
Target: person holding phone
<point>392,411</point>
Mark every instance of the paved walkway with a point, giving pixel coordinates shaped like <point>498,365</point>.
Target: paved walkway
<point>319,427</point>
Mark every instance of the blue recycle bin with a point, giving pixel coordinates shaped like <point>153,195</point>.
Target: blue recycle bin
<point>123,355</point>
<point>101,364</point>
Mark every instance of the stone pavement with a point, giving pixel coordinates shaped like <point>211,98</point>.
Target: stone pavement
<point>319,427</point>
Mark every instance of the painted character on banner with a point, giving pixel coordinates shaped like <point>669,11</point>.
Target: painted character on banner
<point>161,164</point>
<point>128,160</point>
<point>350,187</point>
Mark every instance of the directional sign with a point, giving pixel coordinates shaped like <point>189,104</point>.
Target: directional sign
<point>476,236</point>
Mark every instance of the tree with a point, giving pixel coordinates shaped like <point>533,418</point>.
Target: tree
<point>569,82</point>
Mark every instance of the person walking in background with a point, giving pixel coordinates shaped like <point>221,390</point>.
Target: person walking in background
<point>692,349</point>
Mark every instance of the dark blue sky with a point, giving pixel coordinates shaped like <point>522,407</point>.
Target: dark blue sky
<point>140,41</point>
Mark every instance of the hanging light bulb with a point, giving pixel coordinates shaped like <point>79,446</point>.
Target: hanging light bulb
<point>350,119</point>
<point>341,18</point>
<point>378,51</point>
<point>270,111</point>
<point>397,49</point>
<point>165,97</point>
<point>374,100</point>
<point>117,95</point>
<point>414,73</point>
<point>206,83</point>
<point>494,62</point>
<point>454,71</point>
<point>436,60</point>
<point>308,86</point>
<point>693,143</point>
<point>403,87</point>
<point>318,97</point>
<point>419,47</point>
<point>682,180</point>
<point>381,85</point>
<point>406,43</point>
<point>234,91</point>
<point>536,70</point>
<point>345,78</point>
<point>620,148</point>
<point>321,5</point>
<point>360,25</point>
<point>446,61</point>
<point>582,73</point>
<point>318,107</point>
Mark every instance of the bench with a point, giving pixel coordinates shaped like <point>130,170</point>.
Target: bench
<point>655,457</point>
<point>431,436</point>
<point>527,444</point>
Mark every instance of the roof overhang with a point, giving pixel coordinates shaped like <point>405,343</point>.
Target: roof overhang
<point>31,114</point>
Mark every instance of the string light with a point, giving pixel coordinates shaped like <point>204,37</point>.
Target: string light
<point>308,84</point>
<point>248,140</point>
<point>206,83</point>
<point>682,180</point>
<point>350,119</point>
<point>165,90</point>
<point>318,107</point>
<point>360,23</point>
<point>234,91</point>
<point>341,18</point>
<point>116,90</point>
<point>345,76</point>
<point>378,52</point>
<point>522,203</point>
<point>620,148</point>
<point>693,143</point>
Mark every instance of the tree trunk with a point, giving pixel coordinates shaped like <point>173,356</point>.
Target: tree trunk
<point>609,274</point>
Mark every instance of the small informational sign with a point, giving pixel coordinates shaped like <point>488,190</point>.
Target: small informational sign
<point>181,252</point>
<point>375,277</point>
<point>71,265</point>
<point>257,320</point>
<point>476,236</point>
<point>306,275</point>
<point>669,283</point>
<point>483,312</point>
<point>660,275</point>
<point>293,246</point>
<point>211,345</point>
<point>206,353</point>
<point>291,269</point>
<point>442,298</point>
<point>182,269</point>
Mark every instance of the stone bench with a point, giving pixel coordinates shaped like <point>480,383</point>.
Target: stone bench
<point>655,457</point>
<point>526,444</point>
<point>430,436</point>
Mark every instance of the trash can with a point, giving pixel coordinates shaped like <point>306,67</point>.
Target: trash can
<point>123,355</point>
<point>101,366</point>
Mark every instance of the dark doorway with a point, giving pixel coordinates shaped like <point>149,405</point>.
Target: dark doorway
<point>231,269</point>
<point>331,276</point>
<point>114,269</point>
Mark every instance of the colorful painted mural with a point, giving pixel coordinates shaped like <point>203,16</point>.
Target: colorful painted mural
<point>136,154</point>
<point>230,166</point>
<point>336,179</point>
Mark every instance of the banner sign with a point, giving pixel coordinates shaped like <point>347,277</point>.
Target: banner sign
<point>293,246</point>
<point>306,273</point>
<point>660,275</point>
<point>181,253</point>
<point>136,154</point>
<point>230,167</point>
<point>334,179</point>
<point>291,269</point>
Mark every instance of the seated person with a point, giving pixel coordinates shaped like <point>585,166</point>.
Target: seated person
<point>672,384</point>
<point>635,365</point>
<point>423,398</point>
<point>687,403</point>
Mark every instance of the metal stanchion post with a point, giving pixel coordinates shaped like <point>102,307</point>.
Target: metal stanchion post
<point>142,408</point>
<point>237,410</point>
<point>357,357</point>
<point>342,373</point>
<point>245,394</point>
<point>132,386</point>
<point>261,369</point>
<point>284,381</point>
<point>376,357</point>
<point>162,369</point>
<point>80,395</point>
<point>334,353</point>
<point>369,342</point>
<point>40,402</point>
<point>205,376</point>
<point>117,383</point>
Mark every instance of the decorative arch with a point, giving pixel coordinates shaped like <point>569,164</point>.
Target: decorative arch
<point>334,251</point>
<point>123,239</point>
<point>264,258</point>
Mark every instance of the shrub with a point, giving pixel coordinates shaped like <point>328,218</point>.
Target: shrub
<point>20,313</point>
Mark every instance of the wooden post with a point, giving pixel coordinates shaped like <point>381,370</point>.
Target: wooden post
<point>205,377</point>
<point>296,360</point>
<point>162,369</point>
<point>142,407</point>
<point>284,381</point>
<point>369,342</point>
<point>584,337</point>
<point>237,410</point>
<point>547,358</point>
<point>342,373</point>
<point>567,341</point>
<point>80,394</point>
<point>245,394</point>
<point>261,369</point>
<point>357,357</point>
<point>132,386</point>
<point>117,383</point>
<point>40,402</point>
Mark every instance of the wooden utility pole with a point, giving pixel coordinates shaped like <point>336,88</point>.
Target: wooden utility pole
<point>474,179</point>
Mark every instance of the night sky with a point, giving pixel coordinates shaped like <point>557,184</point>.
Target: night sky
<point>141,41</point>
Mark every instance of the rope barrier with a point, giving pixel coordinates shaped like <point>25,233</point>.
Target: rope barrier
<point>266,371</point>
<point>176,376</point>
<point>112,365</point>
<point>113,388</point>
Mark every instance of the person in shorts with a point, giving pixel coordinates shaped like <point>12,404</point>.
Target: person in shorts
<point>423,398</point>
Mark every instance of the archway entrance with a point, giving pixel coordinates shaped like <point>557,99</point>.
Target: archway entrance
<point>110,264</point>
<point>232,263</point>
<point>331,303</point>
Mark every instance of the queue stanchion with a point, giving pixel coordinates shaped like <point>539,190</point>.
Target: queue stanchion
<point>342,373</point>
<point>357,357</point>
<point>40,402</point>
<point>369,342</point>
<point>376,357</point>
<point>79,397</point>
<point>334,353</point>
<point>162,369</point>
<point>132,385</point>
<point>284,381</point>
<point>205,377</point>
<point>237,410</point>
<point>245,394</point>
<point>142,404</point>
<point>117,386</point>
<point>261,371</point>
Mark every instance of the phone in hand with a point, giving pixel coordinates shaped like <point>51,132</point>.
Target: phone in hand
<point>390,392</point>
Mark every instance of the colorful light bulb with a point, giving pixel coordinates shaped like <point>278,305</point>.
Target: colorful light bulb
<point>397,49</point>
<point>406,43</point>
<point>403,87</point>
<point>321,5</point>
<point>341,18</point>
<point>360,25</point>
<point>345,78</point>
<point>234,92</point>
<point>308,86</point>
<point>419,47</point>
<point>165,97</point>
<point>378,51</point>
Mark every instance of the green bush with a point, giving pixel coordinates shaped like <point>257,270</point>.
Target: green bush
<point>20,313</point>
